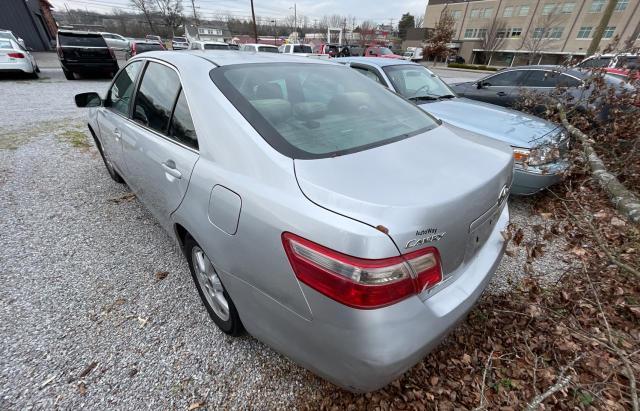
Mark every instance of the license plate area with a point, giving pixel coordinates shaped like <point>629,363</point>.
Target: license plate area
<point>481,231</point>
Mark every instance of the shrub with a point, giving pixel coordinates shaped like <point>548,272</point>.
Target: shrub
<point>471,67</point>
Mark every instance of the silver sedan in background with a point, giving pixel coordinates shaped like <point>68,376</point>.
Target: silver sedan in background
<point>14,58</point>
<point>539,147</point>
<point>335,221</point>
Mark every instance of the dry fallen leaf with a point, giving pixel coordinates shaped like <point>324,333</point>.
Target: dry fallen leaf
<point>616,222</point>
<point>161,275</point>
<point>196,405</point>
<point>82,388</point>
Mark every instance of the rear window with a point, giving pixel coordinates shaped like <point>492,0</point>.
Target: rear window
<point>81,40</point>
<point>180,39</point>
<point>5,44</point>
<point>316,110</point>
<point>268,49</point>
<point>142,47</point>
<point>216,47</point>
<point>302,48</point>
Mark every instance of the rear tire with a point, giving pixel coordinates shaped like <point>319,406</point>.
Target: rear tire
<point>68,74</point>
<point>212,293</point>
<point>107,163</point>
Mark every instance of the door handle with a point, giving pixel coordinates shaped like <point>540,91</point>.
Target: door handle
<point>501,93</point>
<point>169,167</point>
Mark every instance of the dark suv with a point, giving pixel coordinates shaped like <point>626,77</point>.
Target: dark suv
<point>85,53</point>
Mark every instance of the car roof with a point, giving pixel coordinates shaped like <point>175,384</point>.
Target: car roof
<point>258,44</point>
<point>576,72</point>
<point>210,42</point>
<point>229,57</point>
<point>80,32</point>
<point>376,61</point>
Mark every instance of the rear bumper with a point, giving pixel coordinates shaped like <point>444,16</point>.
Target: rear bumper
<point>363,350</point>
<point>18,66</point>
<point>90,67</point>
<point>533,180</point>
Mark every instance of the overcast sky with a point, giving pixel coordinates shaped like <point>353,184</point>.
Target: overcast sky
<point>381,11</point>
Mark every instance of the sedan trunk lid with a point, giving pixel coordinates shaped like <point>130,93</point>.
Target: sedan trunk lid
<point>428,190</point>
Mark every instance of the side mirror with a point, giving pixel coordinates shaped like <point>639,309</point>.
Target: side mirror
<point>481,84</point>
<point>90,99</point>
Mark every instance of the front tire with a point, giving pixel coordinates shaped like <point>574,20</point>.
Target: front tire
<point>212,293</point>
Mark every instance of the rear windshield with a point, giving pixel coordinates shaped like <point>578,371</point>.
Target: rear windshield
<point>268,49</point>
<point>302,48</point>
<point>216,47</point>
<point>596,62</point>
<point>142,47</point>
<point>317,110</point>
<point>81,40</point>
<point>5,44</point>
<point>414,81</point>
<point>180,39</point>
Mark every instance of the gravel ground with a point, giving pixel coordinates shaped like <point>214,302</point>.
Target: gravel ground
<point>85,318</point>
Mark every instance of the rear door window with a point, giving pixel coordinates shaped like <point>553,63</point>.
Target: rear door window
<point>81,40</point>
<point>155,97</point>
<point>509,78</point>
<point>182,129</point>
<point>367,73</point>
<point>541,78</point>
<point>119,95</point>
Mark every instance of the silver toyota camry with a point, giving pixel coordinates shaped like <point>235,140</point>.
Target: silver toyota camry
<point>335,221</point>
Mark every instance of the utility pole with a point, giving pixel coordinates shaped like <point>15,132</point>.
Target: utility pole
<point>604,21</point>
<point>195,16</point>
<point>253,17</point>
<point>295,20</point>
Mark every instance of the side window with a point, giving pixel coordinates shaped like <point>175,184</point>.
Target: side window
<point>541,78</point>
<point>367,73</point>
<point>510,78</point>
<point>181,128</point>
<point>287,49</point>
<point>155,98</point>
<point>568,81</point>
<point>119,95</point>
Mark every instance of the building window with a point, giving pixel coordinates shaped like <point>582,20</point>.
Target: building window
<point>470,33</point>
<point>584,32</point>
<point>568,8</point>
<point>482,33</point>
<point>515,32</point>
<point>548,9</point>
<point>524,11</point>
<point>597,6</point>
<point>475,13</point>
<point>621,5</point>
<point>555,32</point>
<point>538,32</point>
<point>608,32</point>
<point>456,14</point>
<point>501,33</point>
<point>482,13</point>
<point>508,12</point>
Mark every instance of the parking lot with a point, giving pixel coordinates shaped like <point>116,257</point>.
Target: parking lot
<point>99,305</point>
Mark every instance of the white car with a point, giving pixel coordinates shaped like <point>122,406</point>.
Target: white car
<point>16,59</point>
<point>208,45</point>
<point>115,41</point>
<point>179,43</point>
<point>268,48</point>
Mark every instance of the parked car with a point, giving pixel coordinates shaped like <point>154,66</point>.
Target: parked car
<point>299,49</point>
<point>539,146</point>
<point>267,48</point>
<point>115,41</point>
<point>85,53</point>
<point>291,185</point>
<point>16,59</point>
<point>623,74</point>
<point>153,37</point>
<point>208,45</point>
<point>234,46</point>
<point>383,52</point>
<point>142,46</point>
<point>455,59</point>
<point>179,43</point>
<point>620,60</point>
<point>8,34</point>
<point>413,54</point>
<point>505,87</point>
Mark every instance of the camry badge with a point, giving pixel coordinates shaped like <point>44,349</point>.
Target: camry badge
<point>424,240</point>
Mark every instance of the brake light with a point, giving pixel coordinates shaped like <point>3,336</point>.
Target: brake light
<point>16,55</point>
<point>358,282</point>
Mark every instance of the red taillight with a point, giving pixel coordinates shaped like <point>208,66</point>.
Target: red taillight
<point>16,55</point>
<point>133,49</point>
<point>358,282</point>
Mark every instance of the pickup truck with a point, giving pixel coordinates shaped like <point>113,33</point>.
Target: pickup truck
<point>304,50</point>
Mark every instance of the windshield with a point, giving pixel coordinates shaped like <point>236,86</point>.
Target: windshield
<point>415,81</point>
<point>302,48</point>
<point>307,110</point>
<point>216,47</point>
<point>268,49</point>
<point>596,62</point>
<point>385,51</point>
<point>180,39</point>
<point>81,40</point>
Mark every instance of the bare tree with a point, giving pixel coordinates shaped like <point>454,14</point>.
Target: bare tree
<point>367,32</point>
<point>171,13</point>
<point>602,26</point>
<point>438,46</point>
<point>494,37</point>
<point>147,8</point>
<point>419,20</point>
<point>542,35</point>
